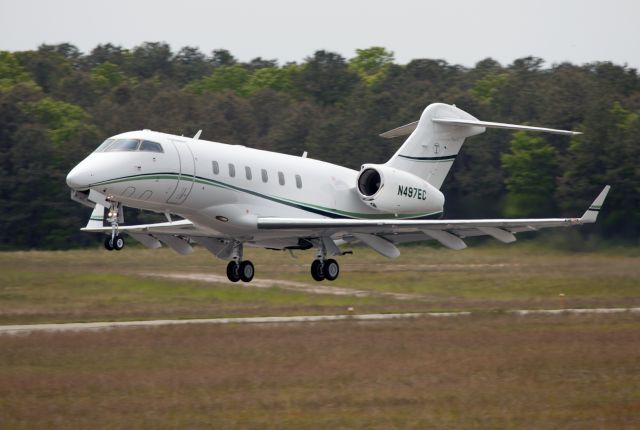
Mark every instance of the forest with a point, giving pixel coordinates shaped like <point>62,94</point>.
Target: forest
<point>58,104</point>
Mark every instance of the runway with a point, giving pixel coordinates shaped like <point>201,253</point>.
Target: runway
<point>95,326</point>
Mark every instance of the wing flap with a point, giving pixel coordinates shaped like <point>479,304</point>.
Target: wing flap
<point>147,240</point>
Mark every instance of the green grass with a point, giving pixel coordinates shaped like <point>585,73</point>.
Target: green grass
<point>90,285</point>
<point>488,370</point>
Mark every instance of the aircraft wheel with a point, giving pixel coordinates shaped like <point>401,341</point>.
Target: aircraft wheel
<point>246,271</point>
<point>118,243</point>
<point>331,269</point>
<point>107,244</point>
<point>233,271</point>
<point>317,271</point>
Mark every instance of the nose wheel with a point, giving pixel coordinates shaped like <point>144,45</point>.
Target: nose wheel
<point>115,239</point>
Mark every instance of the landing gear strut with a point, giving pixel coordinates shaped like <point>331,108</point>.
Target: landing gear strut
<point>115,240</point>
<point>238,270</point>
<point>322,269</point>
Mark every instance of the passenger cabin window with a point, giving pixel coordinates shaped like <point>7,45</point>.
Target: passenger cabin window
<point>247,171</point>
<point>150,146</point>
<point>281,178</point>
<point>298,181</point>
<point>216,167</point>
<point>232,170</point>
<point>123,145</point>
<point>265,177</point>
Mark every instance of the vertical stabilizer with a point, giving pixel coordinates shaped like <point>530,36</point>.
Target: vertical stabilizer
<point>430,150</point>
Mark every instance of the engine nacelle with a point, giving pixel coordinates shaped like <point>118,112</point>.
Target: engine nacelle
<point>395,191</point>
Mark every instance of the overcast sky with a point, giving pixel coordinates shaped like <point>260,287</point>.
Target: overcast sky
<point>460,31</point>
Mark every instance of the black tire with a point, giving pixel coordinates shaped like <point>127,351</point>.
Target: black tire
<point>317,271</point>
<point>246,271</point>
<point>107,244</point>
<point>331,269</point>
<point>233,271</point>
<point>118,242</point>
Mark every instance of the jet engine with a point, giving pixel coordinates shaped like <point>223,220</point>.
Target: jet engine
<point>395,191</point>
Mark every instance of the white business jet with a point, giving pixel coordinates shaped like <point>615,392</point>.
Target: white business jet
<point>231,196</point>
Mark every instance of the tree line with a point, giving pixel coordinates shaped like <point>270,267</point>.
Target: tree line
<point>57,104</point>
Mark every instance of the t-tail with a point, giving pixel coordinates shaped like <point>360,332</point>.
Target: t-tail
<point>435,140</point>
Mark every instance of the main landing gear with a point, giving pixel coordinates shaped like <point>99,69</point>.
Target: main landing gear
<point>325,269</point>
<point>321,268</point>
<point>238,270</point>
<point>115,240</point>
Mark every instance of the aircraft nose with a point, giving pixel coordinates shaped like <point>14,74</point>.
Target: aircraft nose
<point>78,178</point>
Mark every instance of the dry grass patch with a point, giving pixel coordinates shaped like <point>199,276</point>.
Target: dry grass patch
<point>471,372</point>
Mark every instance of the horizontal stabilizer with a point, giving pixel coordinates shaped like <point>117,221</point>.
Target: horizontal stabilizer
<point>403,130</point>
<point>489,124</point>
<point>406,129</point>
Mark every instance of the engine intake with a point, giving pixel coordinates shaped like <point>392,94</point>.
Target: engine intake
<point>369,182</point>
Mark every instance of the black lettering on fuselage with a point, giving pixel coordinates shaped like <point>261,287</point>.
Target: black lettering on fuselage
<point>412,192</point>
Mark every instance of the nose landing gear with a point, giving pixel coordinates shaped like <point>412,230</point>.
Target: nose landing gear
<point>115,240</point>
<point>238,270</point>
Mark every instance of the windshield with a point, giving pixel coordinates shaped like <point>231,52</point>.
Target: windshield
<point>118,145</point>
<point>123,145</point>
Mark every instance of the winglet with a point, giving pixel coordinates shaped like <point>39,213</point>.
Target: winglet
<point>97,217</point>
<point>591,214</point>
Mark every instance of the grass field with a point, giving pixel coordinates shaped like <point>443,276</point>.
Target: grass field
<point>95,285</point>
<point>487,370</point>
<point>481,372</point>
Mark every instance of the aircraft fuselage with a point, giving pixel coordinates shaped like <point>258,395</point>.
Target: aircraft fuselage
<point>226,188</point>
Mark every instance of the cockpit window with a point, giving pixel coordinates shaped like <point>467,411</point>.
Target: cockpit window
<point>150,146</point>
<point>104,145</point>
<point>123,145</point>
<point>117,145</point>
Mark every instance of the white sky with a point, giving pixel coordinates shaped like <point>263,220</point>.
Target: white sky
<point>460,31</point>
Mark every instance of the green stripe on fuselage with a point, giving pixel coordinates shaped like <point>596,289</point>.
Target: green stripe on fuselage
<point>320,210</point>
<point>431,159</point>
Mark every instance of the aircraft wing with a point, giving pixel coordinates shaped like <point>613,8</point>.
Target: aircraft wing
<point>183,226</point>
<point>178,235</point>
<point>382,234</point>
